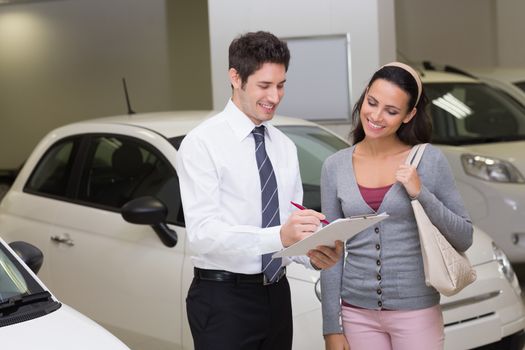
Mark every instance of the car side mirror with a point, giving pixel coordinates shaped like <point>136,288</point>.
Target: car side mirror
<point>30,255</point>
<point>148,210</point>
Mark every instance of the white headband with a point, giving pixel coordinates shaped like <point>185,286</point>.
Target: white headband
<point>412,72</point>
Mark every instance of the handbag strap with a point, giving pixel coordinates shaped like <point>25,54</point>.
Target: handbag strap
<point>414,157</point>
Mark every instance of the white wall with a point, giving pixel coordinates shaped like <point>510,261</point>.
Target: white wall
<point>466,33</point>
<point>510,31</point>
<point>62,61</point>
<point>370,24</point>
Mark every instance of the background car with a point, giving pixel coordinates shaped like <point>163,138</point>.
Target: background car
<point>513,76</point>
<point>81,181</point>
<point>481,130</point>
<point>32,318</point>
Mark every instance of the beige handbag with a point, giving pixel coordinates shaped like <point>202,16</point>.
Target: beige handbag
<point>446,269</point>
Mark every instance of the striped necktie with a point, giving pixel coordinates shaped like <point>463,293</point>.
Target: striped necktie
<point>269,201</point>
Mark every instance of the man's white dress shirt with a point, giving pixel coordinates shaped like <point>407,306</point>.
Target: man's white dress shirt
<point>221,191</point>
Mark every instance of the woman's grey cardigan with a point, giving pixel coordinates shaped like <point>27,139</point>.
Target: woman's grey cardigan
<point>383,267</point>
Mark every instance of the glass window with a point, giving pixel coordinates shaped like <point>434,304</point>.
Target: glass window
<point>14,279</point>
<point>464,113</point>
<point>521,85</point>
<point>314,145</point>
<point>119,169</point>
<point>22,298</point>
<point>51,175</point>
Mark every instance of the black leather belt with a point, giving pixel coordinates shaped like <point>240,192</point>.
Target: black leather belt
<point>226,276</point>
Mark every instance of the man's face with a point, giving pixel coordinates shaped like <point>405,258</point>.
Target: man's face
<point>262,92</point>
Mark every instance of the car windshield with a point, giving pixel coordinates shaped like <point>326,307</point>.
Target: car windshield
<point>471,113</point>
<point>12,283</point>
<point>314,145</point>
<point>21,296</point>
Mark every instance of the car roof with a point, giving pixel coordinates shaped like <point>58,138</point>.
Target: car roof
<point>507,74</point>
<point>429,76</point>
<point>172,123</point>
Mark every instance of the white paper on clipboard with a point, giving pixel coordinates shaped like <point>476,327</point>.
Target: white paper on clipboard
<point>338,230</point>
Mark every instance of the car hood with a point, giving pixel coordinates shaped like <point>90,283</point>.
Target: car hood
<point>509,151</point>
<point>480,252</point>
<point>63,329</point>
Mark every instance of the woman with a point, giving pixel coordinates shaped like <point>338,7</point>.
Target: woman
<point>379,291</point>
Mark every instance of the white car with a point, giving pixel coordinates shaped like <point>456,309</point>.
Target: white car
<point>510,76</point>
<point>481,130</point>
<point>81,181</point>
<point>32,318</point>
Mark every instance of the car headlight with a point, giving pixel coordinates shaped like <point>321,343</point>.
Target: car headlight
<point>504,264</point>
<point>491,169</point>
<point>317,289</point>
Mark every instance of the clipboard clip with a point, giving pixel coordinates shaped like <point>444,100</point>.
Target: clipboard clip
<point>367,216</point>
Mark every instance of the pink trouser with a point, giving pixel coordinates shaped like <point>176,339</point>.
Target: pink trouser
<point>393,330</point>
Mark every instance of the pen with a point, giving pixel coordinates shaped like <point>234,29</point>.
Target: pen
<point>299,206</point>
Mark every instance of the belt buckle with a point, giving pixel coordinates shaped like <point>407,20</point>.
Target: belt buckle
<point>281,274</point>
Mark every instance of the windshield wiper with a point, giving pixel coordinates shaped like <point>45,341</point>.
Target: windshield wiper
<point>24,299</point>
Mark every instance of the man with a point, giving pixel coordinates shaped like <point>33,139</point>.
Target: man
<point>237,182</point>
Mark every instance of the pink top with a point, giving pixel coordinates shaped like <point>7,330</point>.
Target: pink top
<point>373,196</point>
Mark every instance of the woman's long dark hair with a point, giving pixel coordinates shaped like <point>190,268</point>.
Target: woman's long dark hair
<point>419,128</point>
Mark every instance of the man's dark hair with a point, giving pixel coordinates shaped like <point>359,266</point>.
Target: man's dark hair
<point>250,51</point>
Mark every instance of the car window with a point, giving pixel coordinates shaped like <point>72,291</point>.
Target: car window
<point>176,141</point>
<point>314,145</point>
<point>119,169</point>
<point>520,84</point>
<point>464,113</point>
<point>51,175</point>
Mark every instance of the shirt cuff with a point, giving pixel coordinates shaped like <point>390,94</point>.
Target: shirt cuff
<point>270,239</point>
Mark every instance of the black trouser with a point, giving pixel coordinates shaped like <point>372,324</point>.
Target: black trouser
<point>235,315</point>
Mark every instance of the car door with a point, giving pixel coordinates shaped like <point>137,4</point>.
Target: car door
<point>27,211</point>
<point>119,273</point>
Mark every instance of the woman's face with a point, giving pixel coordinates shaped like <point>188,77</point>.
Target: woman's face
<point>384,109</point>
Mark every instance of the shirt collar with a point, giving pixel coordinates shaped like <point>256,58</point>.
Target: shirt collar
<point>241,125</point>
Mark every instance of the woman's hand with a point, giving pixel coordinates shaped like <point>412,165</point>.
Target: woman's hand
<point>336,342</point>
<point>407,175</point>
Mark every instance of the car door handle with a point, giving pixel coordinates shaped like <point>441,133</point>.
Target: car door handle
<point>64,238</point>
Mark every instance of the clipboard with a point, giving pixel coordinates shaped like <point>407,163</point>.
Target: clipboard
<point>338,230</point>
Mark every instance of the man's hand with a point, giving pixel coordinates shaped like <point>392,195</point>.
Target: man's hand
<point>300,224</point>
<point>324,257</point>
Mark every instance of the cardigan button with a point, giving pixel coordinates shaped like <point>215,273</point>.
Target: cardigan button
<point>376,229</point>
<point>378,262</point>
<point>379,303</point>
<point>378,277</point>
<point>379,291</point>
<point>378,246</point>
